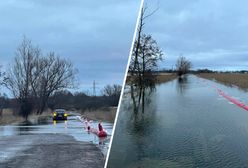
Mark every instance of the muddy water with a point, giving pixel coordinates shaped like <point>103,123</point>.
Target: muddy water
<point>71,127</point>
<point>185,124</point>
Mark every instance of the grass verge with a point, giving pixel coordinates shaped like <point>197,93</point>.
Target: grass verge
<point>106,114</point>
<point>165,77</point>
<point>229,79</point>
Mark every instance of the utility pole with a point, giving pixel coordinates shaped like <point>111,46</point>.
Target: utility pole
<point>94,88</point>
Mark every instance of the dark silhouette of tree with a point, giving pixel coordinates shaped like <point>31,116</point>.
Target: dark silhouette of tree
<point>56,74</point>
<point>146,52</point>
<point>112,93</point>
<point>33,78</point>
<point>114,90</point>
<point>136,49</point>
<point>18,76</point>
<point>183,66</point>
<point>144,60</point>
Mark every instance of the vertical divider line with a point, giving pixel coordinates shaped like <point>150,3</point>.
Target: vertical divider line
<point>124,82</point>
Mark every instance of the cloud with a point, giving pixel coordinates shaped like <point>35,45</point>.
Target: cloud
<point>95,35</point>
<point>201,30</point>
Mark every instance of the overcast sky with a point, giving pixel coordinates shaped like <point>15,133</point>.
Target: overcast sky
<point>212,34</point>
<point>95,35</point>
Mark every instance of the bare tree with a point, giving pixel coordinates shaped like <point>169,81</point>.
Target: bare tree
<point>150,54</point>
<point>33,78</point>
<point>57,74</point>
<point>147,61</point>
<point>144,60</point>
<point>183,66</point>
<point>114,90</point>
<point>146,52</point>
<point>143,16</point>
<point>18,77</point>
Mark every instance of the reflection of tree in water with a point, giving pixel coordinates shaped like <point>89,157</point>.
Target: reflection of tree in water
<point>144,61</point>
<point>140,95</point>
<point>25,127</point>
<point>182,84</point>
<point>143,107</point>
<point>143,120</point>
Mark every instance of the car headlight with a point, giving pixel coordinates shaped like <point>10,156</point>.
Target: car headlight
<point>54,114</point>
<point>65,115</point>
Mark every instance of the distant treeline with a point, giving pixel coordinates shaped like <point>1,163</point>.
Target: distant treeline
<point>67,100</point>
<point>201,71</point>
<point>80,100</point>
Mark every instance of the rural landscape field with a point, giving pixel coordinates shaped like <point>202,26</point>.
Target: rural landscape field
<point>185,100</point>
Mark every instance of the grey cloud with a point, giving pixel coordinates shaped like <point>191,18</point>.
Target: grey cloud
<point>199,28</point>
<point>94,35</point>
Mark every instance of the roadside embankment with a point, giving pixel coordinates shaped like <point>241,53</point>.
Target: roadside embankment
<point>230,79</point>
<point>165,77</point>
<point>9,116</point>
<point>160,77</point>
<point>106,114</point>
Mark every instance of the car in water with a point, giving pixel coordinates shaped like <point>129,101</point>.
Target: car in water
<point>60,114</point>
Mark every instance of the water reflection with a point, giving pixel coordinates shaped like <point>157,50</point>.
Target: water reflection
<point>141,91</point>
<point>184,124</point>
<point>72,127</point>
<point>24,130</point>
<point>182,84</point>
<point>55,122</point>
<point>142,119</point>
<point>140,95</point>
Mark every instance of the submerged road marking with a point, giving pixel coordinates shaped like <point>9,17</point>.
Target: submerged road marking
<point>231,99</point>
<point>234,101</point>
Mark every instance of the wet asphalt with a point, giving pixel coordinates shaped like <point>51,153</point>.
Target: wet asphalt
<point>44,144</point>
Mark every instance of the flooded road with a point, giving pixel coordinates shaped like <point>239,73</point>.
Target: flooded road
<point>186,123</point>
<point>72,128</point>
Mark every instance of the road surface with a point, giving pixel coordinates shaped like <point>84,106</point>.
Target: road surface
<point>49,150</point>
<point>48,144</point>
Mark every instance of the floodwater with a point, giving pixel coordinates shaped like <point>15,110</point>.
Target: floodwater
<point>72,126</point>
<point>185,124</point>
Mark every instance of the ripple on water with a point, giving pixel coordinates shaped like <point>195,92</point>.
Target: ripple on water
<point>187,127</point>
